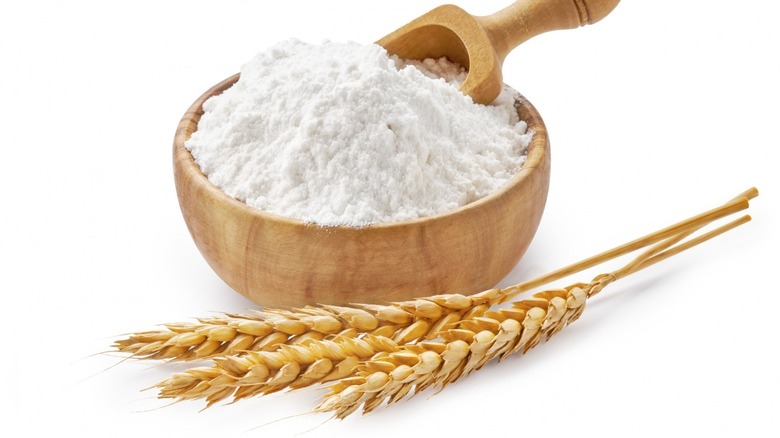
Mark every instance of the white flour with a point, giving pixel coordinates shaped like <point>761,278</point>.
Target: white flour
<point>342,134</point>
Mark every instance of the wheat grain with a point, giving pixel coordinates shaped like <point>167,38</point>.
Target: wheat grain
<point>347,358</point>
<point>263,372</point>
<point>389,376</point>
<point>231,334</point>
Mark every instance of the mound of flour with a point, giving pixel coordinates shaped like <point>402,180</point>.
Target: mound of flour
<point>343,134</point>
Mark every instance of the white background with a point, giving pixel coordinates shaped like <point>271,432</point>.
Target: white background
<point>665,109</point>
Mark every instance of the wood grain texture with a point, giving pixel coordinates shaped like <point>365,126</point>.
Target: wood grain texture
<point>482,43</point>
<point>277,261</point>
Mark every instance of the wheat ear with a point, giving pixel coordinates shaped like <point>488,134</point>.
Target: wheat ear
<point>264,372</point>
<point>404,322</point>
<point>232,334</point>
<point>316,361</point>
<point>392,375</point>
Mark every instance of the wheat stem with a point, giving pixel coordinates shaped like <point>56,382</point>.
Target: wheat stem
<point>738,203</point>
<point>647,262</point>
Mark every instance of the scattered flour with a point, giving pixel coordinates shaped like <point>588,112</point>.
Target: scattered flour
<point>343,134</point>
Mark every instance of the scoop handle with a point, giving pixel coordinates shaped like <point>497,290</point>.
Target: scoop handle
<point>525,19</point>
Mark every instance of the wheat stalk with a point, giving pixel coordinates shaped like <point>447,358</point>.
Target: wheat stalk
<point>377,353</point>
<point>473,340</point>
<point>390,376</point>
<point>403,322</point>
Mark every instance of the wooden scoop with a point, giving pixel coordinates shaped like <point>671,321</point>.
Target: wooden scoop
<point>481,43</point>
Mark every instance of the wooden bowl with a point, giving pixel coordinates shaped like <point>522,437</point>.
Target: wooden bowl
<point>277,261</point>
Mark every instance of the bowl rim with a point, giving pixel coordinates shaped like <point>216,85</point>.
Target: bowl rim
<point>185,162</point>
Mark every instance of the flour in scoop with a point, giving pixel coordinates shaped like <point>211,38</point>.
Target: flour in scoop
<point>343,134</point>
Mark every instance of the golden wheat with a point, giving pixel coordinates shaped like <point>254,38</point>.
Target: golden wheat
<point>471,343</point>
<point>263,372</point>
<point>372,369</point>
<point>317,361</point>
<point>389,376</point>
<point>406,321</point>
<point>383,353</point>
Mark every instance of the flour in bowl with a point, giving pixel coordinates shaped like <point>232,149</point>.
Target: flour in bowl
<point>343,134</point>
